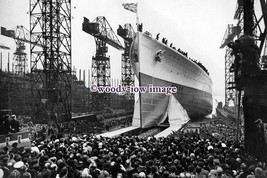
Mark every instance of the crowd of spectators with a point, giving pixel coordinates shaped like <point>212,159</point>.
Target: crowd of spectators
<point>180,155</point>
<point>118,123</point>
<point>222,130</point>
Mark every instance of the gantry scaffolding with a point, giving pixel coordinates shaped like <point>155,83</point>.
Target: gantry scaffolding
<point>20,56</point>
<point>249,78</point>
<point>50,23</point>
<point>230,90</point>
<point>234,32</point>
<point>127,73</point>
<point>21,36</point>
<point>101,30</point>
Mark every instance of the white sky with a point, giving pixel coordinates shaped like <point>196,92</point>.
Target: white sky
<point>195,26</point>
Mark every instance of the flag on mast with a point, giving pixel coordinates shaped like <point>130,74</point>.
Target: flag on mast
<point>130,6</point>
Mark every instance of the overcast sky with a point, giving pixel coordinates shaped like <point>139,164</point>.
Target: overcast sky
<point>195,26</point>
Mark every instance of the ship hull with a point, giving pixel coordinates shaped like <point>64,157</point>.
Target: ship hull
<point>157,65</point>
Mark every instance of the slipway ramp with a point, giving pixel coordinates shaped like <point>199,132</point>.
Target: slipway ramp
<point>117,132</point>
<point>177,116</point>
<point>135,123</point>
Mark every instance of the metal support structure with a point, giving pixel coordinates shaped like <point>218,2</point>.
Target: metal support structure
<point>251,79</point>
<point>238,115</point>
<point>20,56</point>
<point>264,50</point>
<point>232,32</point>
<point>230,88</point>
<point>263,60</point>
<point>21,36</point>
<point>50,23</point>
<point>101,65</point>
<point>20,59</point>
<point>127,73</point>
<point>103,34</point>
<point>101,75</point>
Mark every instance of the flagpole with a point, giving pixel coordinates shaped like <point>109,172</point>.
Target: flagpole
<point>137,18</point>
<point>133,7</point>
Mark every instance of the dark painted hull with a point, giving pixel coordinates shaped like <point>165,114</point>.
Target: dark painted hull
<point>196,102</point>
<point>156,64</point>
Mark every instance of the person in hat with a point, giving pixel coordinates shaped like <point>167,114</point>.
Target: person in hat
<point>15,174</point>
<point>219,172</point>
<point>46,172</point>
<point>14,124</point>
<point>63,172</point>
<point>4,167</point>
<point>15,149</point>
<point>260,143</point>
<point>18,165</point>
<point>173,171</point>
<point>85,173</point>
<point>117,167</point>
<point>26,175</point>
<point>4,125</point>
<point>5,149</point>
<point>33,170</point>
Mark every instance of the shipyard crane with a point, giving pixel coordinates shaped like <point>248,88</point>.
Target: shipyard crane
<point>230,90</point>
<point>250,77</point>
<point>21,36</point>
<point>103,34</point>
<point>127,73</point>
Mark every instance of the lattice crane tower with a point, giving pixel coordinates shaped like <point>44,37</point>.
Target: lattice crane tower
<point>50,23</point>
<point>232,32</point>
<point>250,78</point>
<point>101,30</point>
<point>127,73</point>
<point>21,36</point>
<point>230,90</point>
